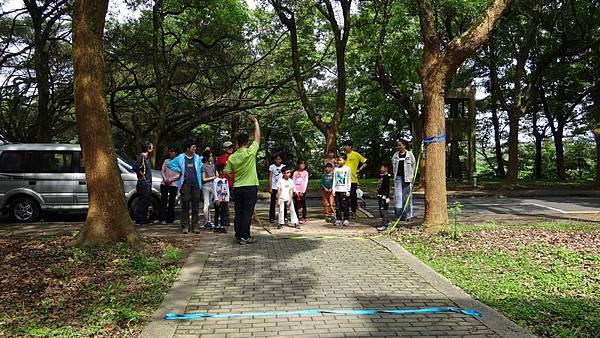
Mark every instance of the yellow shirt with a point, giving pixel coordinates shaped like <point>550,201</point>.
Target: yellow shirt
<point>354,159</point>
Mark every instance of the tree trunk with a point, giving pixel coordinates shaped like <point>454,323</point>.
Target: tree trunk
<point>436,204</point>
<point>236,122</point>
<point>437,70</point>
<point>513,148</point>
<point>42,78</point>
<point>561,174</point>
<point>107,218</point>
<point>158,64</point>
<point>331,140</point>
<point>494,88</point>
<point>539,138</point>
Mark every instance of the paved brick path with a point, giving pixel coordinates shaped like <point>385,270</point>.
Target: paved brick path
<point>289,274</point>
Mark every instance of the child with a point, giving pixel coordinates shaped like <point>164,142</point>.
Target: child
<point>330,158</point>
<point>300,178</point>
<point>285,195</point>
<point>208,191</point>
<point>383,195</point>
<point>342,180</point>
<point>221,187</point>
<point>328,197</point>
<point>274,176</point>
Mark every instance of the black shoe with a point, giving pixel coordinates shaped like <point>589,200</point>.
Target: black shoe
<point>248,240</point>
<point>184,231</point>
<point>272,221</point>
<point>280,226</point>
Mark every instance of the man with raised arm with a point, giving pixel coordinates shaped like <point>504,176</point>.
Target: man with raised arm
<point>243,164</point>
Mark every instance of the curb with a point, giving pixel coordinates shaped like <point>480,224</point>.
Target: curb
<point>177,297</point>
<point>490,317</point>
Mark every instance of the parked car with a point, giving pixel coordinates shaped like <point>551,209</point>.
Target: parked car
<point>50,177</point>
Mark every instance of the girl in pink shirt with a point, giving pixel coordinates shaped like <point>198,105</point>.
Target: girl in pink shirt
<point>300,179</point>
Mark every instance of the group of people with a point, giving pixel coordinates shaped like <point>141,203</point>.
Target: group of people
<point>233,176</point>
<point>339,184</point>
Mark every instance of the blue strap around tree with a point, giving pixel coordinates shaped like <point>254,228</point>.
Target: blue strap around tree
<point>314,312</point>
<point>430,140</point>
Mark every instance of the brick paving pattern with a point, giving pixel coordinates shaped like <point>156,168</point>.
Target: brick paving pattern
<point>279,274</point>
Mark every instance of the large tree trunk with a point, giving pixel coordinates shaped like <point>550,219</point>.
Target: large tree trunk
<point>158,63</point>
<point>437,70</point>
<point>107,217</point>
<point>436,204</point>
<point>596,113</point>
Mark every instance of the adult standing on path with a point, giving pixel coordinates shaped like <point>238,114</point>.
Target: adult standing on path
<point>143,169</point>
<point>243,164</point>
<point>357,163</point>
<point>404,163</point>
<point>189,166</point>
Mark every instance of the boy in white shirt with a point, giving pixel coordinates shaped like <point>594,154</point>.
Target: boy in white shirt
<point>221,190</point>
<point>274,177</point>
<point>285,196</point>
<point>342,180</point>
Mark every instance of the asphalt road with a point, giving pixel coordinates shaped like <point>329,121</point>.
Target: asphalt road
<point>485,207</point>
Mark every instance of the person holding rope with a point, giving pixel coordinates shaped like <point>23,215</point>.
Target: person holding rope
<point>403,162</point>
<point>245,192</point>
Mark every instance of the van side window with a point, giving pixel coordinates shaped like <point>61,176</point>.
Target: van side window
<point>12,162</point>
<point>55,162</point>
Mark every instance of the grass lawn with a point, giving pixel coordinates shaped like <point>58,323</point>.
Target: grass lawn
<point>51,289</point>
<point>545,276</point>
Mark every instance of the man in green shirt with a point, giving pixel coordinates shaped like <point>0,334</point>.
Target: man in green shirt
<point>242,166</point>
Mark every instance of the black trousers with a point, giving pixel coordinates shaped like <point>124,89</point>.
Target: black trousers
<point>273,204</point>
<point>341,206</point>
<point>245,200</point>
<point>383,211</point>
<point>190,196</point>
<point>353,197</point>
<point>222,214</point>
<point>300,203</point>
<point>143,202</point>
<point>167,203</point>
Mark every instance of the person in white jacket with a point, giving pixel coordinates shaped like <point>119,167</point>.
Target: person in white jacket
<point>403,162</point>
<point>342,180</point>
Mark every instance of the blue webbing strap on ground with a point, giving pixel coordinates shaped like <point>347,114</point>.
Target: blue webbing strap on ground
<point>198,315</point>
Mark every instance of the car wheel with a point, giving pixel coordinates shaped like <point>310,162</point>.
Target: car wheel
<point>25,210</point>
<point>153,210</point>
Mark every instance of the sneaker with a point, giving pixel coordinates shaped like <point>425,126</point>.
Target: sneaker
<point>208,225</point>
<point>337,223</point>
<point>184,231</point>
<point>279,226</point>
<point>303,221</point>
<point>248,240</point>
<point>346,223</point>
<point>272,221</point>
<point>195,231</point>
<point>296,225</point>
<point>382,228</point>
<point>163,222</point>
